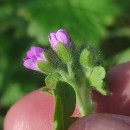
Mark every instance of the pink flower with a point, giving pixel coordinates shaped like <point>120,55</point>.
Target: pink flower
<point>33,55</point>
<point>60,36</point>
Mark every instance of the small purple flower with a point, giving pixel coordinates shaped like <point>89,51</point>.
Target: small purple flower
<point>59,36</point>
<point>33,55</point>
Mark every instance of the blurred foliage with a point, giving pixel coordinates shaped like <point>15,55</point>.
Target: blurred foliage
<point>123,56</point>
<point>101,23</point>
<point>86,18</point>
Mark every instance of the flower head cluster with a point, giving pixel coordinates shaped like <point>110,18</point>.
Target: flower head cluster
<point>62,67</point>
<point>36,54</point>
<point>33,55</point>
<point>59,36</point>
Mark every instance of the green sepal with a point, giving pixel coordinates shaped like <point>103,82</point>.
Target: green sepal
<point>47,56</point>
<point>65,101</point>
<point>52,79</point>
<point>63,53</point>
<point>45,67</point>
<point>86,58</point>
<point>96,79</point>
<point>51,57</point>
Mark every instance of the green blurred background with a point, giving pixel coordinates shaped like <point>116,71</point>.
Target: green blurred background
<point>104,24</point>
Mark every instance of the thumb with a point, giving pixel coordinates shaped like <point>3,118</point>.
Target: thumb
<point>102,122</point>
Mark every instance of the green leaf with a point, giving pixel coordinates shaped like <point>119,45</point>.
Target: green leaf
<point>86,58</point>
<point>96,79</point>
<point>66,101</point>
<point>45,67</point>
<point>103,89</point>
<point>58,115</point>
<point>63,53</point>
<point>98,72</point>
<point>68,97</point>
<point>52,79</point>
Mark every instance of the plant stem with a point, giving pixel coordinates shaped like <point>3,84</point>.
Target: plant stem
<point>69,67</point>
<point>82,107</point>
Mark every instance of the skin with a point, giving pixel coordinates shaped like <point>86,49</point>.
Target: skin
<point>35,110</point>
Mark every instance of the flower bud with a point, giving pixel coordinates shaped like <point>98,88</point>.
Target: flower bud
<point>59,36</point>
<point>33,55</point>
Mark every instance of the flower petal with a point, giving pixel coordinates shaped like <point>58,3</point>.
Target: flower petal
<point>53,40</point>
<point>30,54</point>
<point>24,59</point>
<point>34,51</point>
<point>31,64</point>
<point>62,37</point>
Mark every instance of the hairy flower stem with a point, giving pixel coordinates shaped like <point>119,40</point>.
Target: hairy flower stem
<point>83,108</point>
<point>70,72</point>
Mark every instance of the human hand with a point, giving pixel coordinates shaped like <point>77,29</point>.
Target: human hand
<point>102,122</point>
<point>28,113</point>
